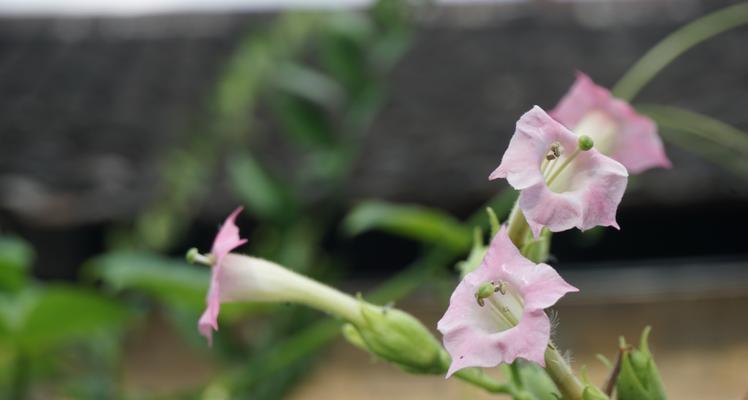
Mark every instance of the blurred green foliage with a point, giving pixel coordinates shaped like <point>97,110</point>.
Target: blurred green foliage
<point>318,80</point>
<point>419,223</point>
<point>40,322</point>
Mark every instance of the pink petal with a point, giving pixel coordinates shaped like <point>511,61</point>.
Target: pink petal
<point>473,338</point>
<point>595,190</point>
<point>636,144</point>
<point>534,134</point>
<point>543,288</point>
<point>226,240</point>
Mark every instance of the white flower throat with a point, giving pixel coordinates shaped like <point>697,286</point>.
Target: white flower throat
<point>501,303</point>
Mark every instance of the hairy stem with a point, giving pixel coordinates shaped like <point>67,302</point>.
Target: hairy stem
<point>560,371</point>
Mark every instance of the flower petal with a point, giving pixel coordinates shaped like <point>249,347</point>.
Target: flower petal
<point>535,133</point>
<point>543,288</point>
<point>636,144</point>
<point>545,208</point>
<point>528,339</point>
<point>226,240</point>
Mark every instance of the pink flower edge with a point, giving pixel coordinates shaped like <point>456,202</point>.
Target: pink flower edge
<point>638,146</point>
<point>226,240</point>
<point>468,333</point>
<point>597,185</point>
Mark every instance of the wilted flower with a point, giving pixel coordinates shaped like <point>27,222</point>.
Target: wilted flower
<point>617,129</point>
<point>496,314</point>
<point>564,181</point>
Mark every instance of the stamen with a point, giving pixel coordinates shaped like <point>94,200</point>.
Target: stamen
<point>554,152</point>
<point>486,295</point>
<point>501,288</point>
<point>555,173</point>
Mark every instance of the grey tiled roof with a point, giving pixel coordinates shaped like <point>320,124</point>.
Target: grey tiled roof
<point>87,106</point>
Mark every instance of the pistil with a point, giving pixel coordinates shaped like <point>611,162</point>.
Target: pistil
<point>492,294</point>
<point>585,143</point>
<point>194,257</point>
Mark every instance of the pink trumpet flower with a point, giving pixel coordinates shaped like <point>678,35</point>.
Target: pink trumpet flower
<point>240,278</point>
<point>496,314</point>
<point>564,181</point>
<point>617,129</point>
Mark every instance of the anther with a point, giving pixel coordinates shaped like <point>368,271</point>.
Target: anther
<point>554,152</point>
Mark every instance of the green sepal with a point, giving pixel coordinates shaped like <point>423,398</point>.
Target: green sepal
<point>537,250</point>
<point>591,392</point>
<point>397,337</point>
<point>639,378</point>
<point>475,257</point>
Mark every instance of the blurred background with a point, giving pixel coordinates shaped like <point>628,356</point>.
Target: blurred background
<point>359,136</point>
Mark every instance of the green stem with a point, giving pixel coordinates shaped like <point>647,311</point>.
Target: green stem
<point>20,383</point>
<point>676,44</point>
<point>517,227</point>
<point>476,377</point>
<point>560,371</point>
<point>555,364</point>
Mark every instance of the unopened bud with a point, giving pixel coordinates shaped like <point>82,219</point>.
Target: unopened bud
<point>638,377</point>
<point>398,337</point>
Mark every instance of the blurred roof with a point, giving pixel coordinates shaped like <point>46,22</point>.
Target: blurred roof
<point>89,105</point>
<point>141,7</point>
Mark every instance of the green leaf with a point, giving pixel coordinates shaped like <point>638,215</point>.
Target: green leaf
<point>420,223</point>
<point>15,260</point>
<point>171,281</point>
<point>677,43</point>
<point>264,195</point>
<point>303,121</point>
<point>712,139</point>
<point>309,84</point>
<point>62,313</point>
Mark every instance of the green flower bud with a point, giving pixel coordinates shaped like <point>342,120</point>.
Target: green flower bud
<point>399,338</point>
<point>638,378</point>
<point>537,250</point>
<point>585,143</point>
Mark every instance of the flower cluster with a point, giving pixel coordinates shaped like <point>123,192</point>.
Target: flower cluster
<point>571,167</point>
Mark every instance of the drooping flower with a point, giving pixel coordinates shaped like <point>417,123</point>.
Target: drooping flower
<point>236,277</point>
<point>386,332</point>
<point>617,129</point>
<point>564,182</point>
<point>226,240</point>
<point>496,314</point>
